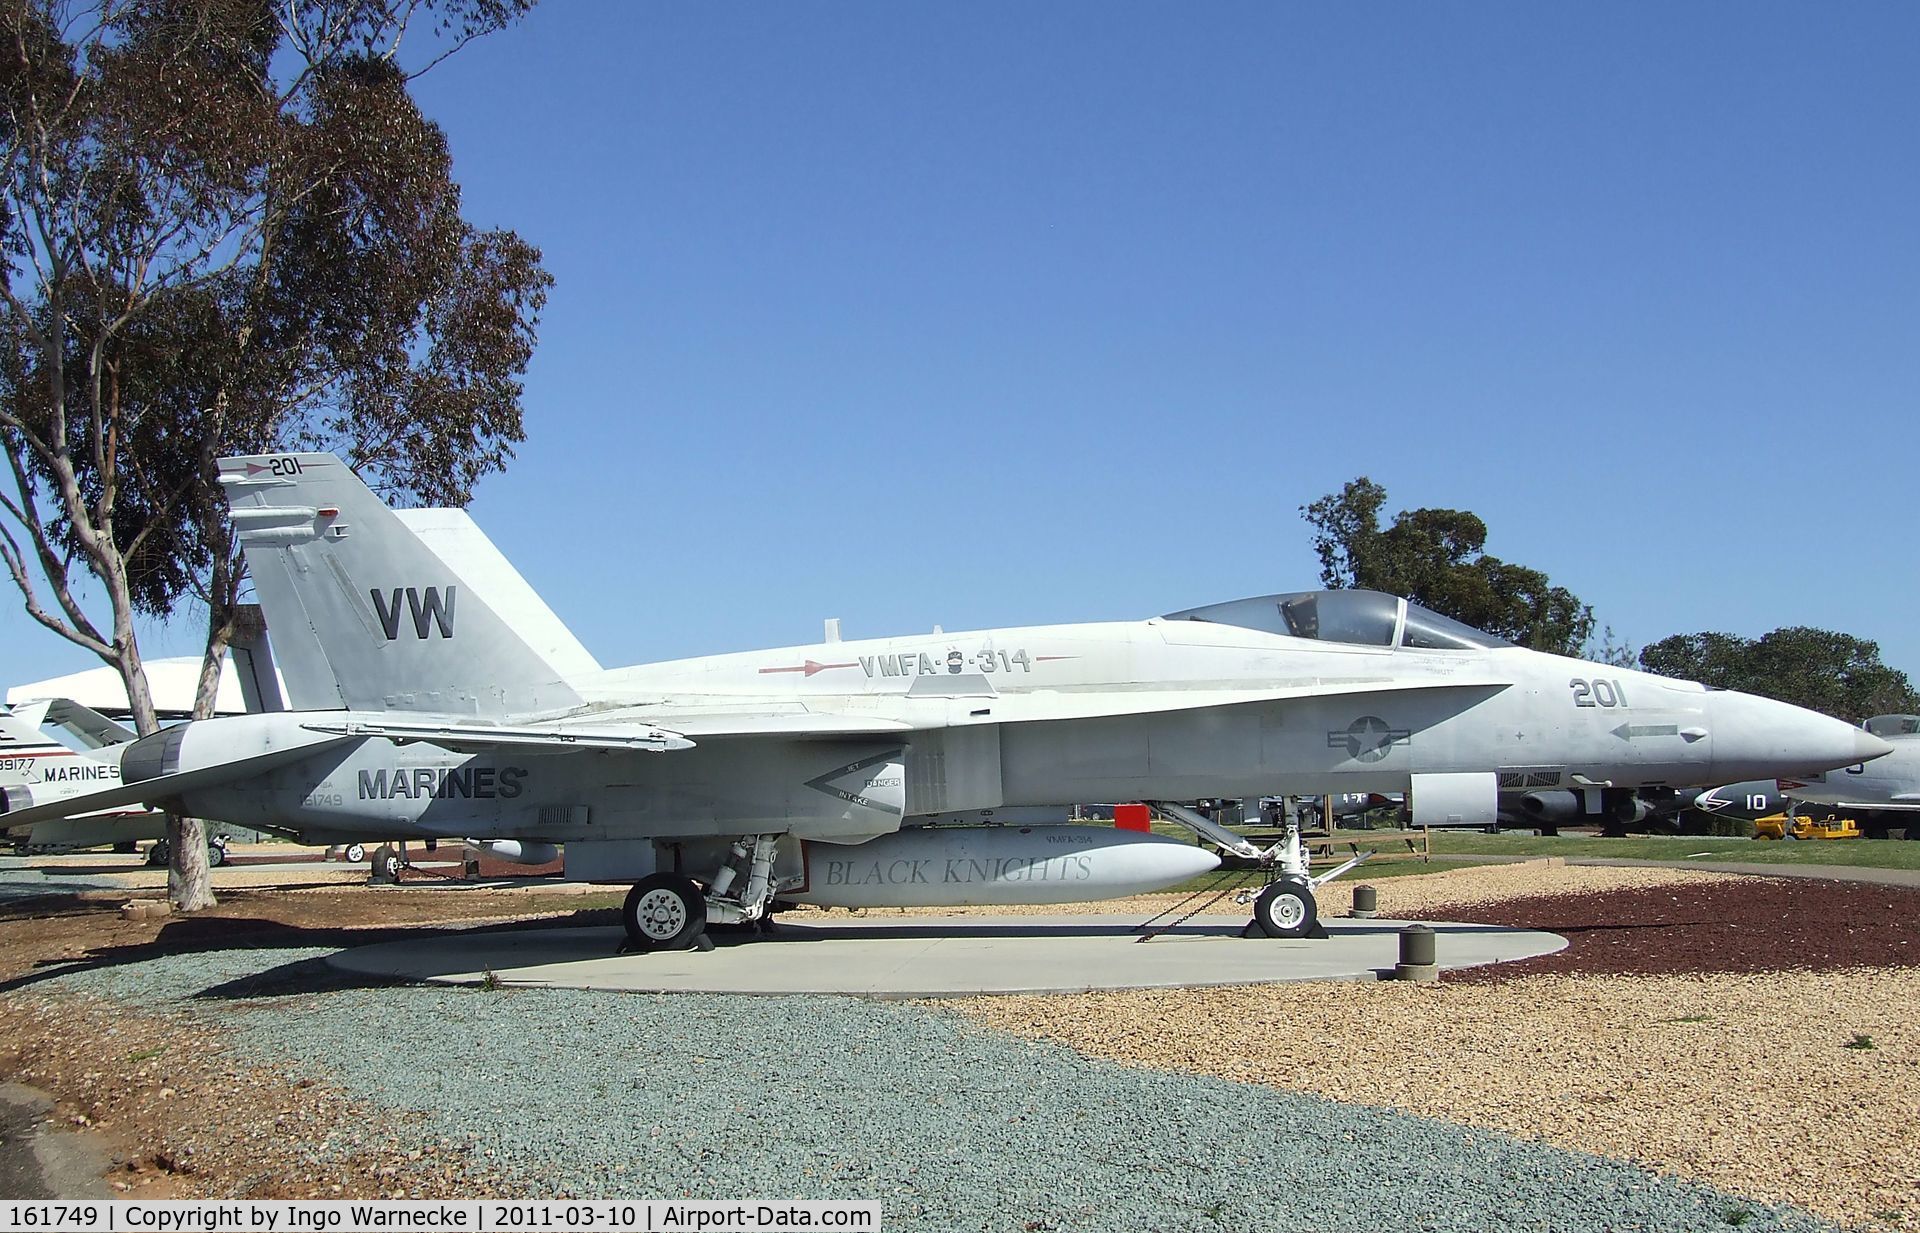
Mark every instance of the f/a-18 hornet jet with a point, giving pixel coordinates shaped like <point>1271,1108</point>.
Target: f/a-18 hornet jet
<point>433,696</point>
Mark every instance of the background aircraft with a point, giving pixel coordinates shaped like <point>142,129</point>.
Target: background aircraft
<point>1882,795</point>
<point>1753,798</point>
<point>33,760</point>
<point>426,706</point>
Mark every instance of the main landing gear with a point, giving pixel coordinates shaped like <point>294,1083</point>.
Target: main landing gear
<point>666,911</point>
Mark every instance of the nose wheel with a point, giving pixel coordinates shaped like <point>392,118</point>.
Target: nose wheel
<point>1286,909</point>
<point>664,911</point>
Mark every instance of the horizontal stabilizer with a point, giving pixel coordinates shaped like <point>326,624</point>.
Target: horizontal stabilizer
<point>86,723</point>
<point>19,808</point>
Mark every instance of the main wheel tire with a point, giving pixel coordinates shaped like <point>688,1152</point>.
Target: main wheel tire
<point>664,911</point>
<point>386,864</point>
<point>1286,909</point>
<point>216,855</point>
<point>355,853</point>
<point>158,854</point>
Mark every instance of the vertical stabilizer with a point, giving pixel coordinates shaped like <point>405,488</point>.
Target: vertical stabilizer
<point>20,733</point>
<point>454,538</point>
<point>253,662</point>
<point>362,613</point>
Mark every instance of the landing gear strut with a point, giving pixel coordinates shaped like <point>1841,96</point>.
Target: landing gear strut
<point>666,911</point>
<point>1286,908</point>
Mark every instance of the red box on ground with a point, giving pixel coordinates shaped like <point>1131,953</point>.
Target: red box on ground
<point>1132,818</point>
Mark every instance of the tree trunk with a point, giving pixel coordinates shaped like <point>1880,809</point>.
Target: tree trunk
<point>189,877</point>
<point>189,881</point>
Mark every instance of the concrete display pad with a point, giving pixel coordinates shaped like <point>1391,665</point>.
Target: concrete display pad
<point>901,957</point>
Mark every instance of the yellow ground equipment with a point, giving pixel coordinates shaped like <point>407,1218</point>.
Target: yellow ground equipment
<point>1780,826</point>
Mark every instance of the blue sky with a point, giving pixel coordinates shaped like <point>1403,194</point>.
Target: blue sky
<point>999,314</point>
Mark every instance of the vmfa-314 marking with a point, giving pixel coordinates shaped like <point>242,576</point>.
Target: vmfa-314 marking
<point>435,696</point>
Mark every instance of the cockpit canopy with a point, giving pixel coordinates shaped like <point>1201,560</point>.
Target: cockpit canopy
<point>1360,618</point>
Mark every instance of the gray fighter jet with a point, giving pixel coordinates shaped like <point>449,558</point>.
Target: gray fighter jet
<point>1755,798</point>
<point>430,697</point>
<point>1882,795</point>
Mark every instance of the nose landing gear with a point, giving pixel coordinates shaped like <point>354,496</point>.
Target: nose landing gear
<point>1286,908</point>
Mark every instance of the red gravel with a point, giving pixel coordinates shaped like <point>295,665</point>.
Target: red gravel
<point>1751,925</point>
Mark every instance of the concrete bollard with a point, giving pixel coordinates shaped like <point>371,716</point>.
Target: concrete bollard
<point>1417,960</point>
<point>1366,902</point>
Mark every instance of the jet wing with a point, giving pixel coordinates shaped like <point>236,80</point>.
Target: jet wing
<point>923,711</point>
<point>1039,706</point>
<point>663,728</point>
<point>479,738</point>
<point>787,723</point>
<point>19,806</point>
<point>643,734</point>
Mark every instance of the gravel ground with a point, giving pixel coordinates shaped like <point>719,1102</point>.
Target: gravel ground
<point>951,1125</point>
<point>1744,1081</point>
<point>1139,1111</point>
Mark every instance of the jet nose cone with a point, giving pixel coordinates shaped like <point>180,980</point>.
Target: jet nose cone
<point>1867,746</point>
<point>1758,738</point>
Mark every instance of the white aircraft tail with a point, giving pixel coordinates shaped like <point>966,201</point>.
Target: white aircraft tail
<point>367,614</point>
<point>24,747</point>
<point>31,758</point>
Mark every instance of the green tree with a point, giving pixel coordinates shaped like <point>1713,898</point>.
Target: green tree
<point>229,229</point>
<point>1835,674</point>
<point>1437,557</point>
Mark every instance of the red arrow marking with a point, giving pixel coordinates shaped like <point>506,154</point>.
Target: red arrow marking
<point>808,668</point>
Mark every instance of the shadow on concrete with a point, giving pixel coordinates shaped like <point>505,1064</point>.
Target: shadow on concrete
<point>190,935</point>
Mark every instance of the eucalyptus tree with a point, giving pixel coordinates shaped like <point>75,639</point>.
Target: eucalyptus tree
<point>1438,557</point>
<point>229,227</point>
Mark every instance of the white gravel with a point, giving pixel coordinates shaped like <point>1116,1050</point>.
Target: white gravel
<point>951,1125</point>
